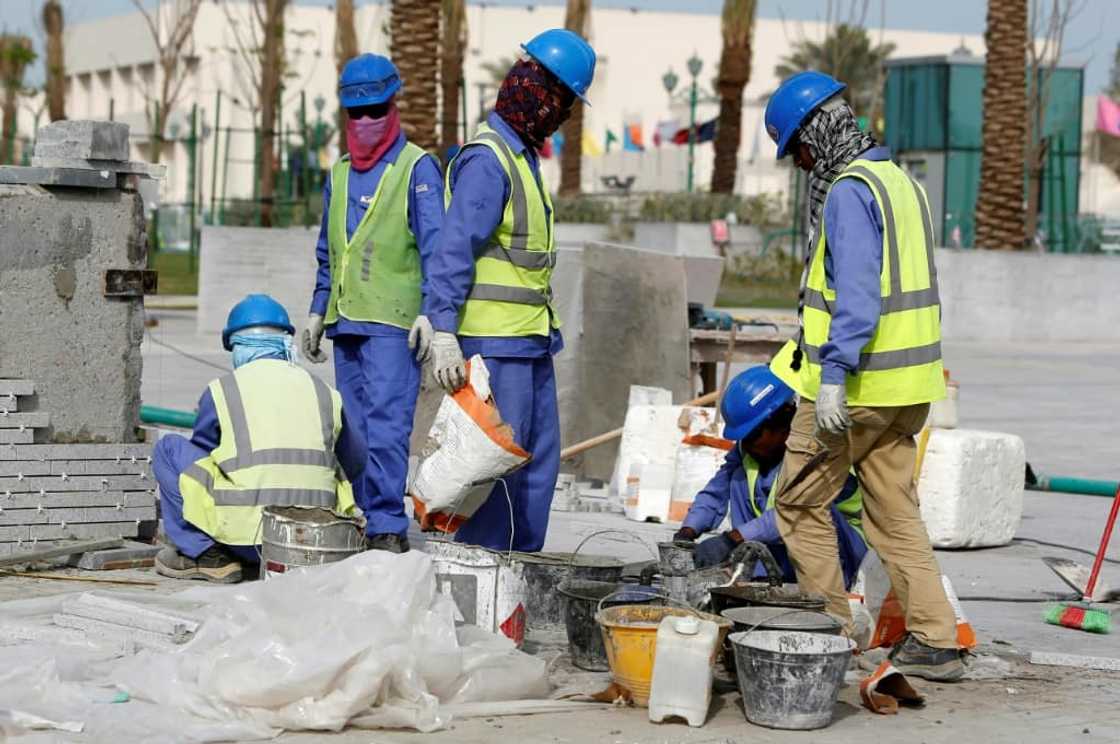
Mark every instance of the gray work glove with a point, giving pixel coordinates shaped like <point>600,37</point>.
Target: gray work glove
<point>447,361</point>
<point>312,335</point>
<point>832,409</point>
<point>420,338</point>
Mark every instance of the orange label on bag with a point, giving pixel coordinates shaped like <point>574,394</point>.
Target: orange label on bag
<point>891,627</point>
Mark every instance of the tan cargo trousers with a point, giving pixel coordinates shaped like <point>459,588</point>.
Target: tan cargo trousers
<point>880,446</point>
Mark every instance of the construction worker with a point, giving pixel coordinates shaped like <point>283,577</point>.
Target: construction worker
<point>757,409</point>
<point>867,364</point>
<point>382,209</point>
<point>267,433</point>
<point>490,283</point>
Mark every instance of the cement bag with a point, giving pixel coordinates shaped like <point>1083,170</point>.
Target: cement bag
<point>701,454</point>
<point>469,447</point>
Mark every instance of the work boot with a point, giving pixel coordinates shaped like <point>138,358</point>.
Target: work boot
<point>914,658</point>
<point>387,542</point>
<point>215,564</point>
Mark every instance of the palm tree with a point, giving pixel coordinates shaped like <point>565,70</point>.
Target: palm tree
<point>414,47</point>
<point>451,70</point>
<point>734,72</point>
<point>16,54</point>
<point>999,206</point>
<point>55,86</point>
<point>345,49</point>
<point>571,159</point>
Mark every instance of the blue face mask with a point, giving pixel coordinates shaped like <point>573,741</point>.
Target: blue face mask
<point>248,347</point>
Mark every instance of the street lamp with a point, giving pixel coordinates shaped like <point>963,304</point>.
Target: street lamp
<point>670,80</point>
<point>695,64</point>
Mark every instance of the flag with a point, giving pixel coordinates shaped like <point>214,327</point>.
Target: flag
<point>610,139</point>
<point>632,138</point>
<point>557,145</point>
<point>1108,116</point>
<point>590,146</point>
<point>705,132</point>
<point>664,131</point>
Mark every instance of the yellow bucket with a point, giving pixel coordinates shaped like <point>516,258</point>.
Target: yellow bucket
<point>630,638</point>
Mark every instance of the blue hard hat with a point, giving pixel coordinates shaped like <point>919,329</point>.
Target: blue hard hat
<point>751,398</point>
<point>367,80</point>
<point>793,101</point>
<point>567,55</point>
<point>256,310</point>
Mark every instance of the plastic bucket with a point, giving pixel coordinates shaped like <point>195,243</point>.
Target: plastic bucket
<point>630,639</point>
<point>545,572</point>
<point>581,600</point>
<point>297,536</point>
<point>790,679</point>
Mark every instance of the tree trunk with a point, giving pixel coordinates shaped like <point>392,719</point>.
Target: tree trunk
<point>571,159</point>
<point>15,55</point>
<point>272,74</point>
<point>451,72</point>
<point>55,62</point>
<point>414,47</point>
<point>1000,222</point>
<point>734,73</point>
<point>345,49</point>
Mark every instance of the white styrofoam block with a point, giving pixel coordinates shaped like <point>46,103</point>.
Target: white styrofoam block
<point>971,487</point>
<point>650,435</point>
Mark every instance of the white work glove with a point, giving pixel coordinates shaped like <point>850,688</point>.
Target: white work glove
<point>832,409</point>
<point>312,335</point>
<point>420,338</point>
<point>447,361</point>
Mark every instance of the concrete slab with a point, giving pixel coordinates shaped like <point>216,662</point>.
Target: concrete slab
<point>131,555</point>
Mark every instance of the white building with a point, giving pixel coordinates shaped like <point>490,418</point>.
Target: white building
<point>112,68</point>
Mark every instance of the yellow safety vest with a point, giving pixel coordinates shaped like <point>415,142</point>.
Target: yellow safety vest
<point>278,425</point>
<point>512,292</point>
<point>901,364</point>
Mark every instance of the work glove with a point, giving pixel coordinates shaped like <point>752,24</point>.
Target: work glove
<point>832,409</point>
<point>312,335</point>
<point>447,361</point>
<point>685,534</point>
<point>713,551</point>
<point>420,338</point>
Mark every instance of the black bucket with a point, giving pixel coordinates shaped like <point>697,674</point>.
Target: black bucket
<point>545,572</point>
<point>581,600</point>
<point>762,595</point>
<point>778,618</point>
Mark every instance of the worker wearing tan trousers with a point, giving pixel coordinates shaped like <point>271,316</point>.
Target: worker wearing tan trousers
<point>867,364</point>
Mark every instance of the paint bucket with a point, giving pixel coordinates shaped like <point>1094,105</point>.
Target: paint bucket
<point>545,572</point>
<point>581,599</point>
<point>488,587</point>
<point>297,536</point>
<point>762,595</point>
<point>790,679</point>
<point>676,558</point>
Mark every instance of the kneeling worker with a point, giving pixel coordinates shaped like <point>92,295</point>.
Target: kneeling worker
<point>269,433</point>
<point>757,410</point>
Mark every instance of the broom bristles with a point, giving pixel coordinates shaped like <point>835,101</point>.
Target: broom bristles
<point>1079,617</point>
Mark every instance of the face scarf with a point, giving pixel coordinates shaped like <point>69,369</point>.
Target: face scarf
<point>248,347</point>
<point>368,139</point>
<point>533,102</point>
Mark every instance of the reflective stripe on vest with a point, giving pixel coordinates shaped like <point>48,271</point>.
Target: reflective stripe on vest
<point>376,274</point>
<point>901,364</point>
<point>850,508</point>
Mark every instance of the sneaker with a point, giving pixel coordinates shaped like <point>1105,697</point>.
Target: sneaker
<point>388,542</point>
<point>916,659</point>
<point>214,565</point>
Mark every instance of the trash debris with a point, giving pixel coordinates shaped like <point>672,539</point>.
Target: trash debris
<point>887,689</point>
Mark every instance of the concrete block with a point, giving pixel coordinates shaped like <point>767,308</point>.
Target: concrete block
<point>79,515</point>
<point>126,499</point>
<point>17,436</point>
<point>20,420</point>
<point>81,531</point>
<point>971,487</point>
<point>83,138</point>
<point>44,452</point>
<point>129,167</point>
<point>1075,661</point>
<point>15,533</point>
<point>10,388</point>
<point>130,555</point>
<point>12,177</point>
<point>9,404</point>
<point>57,484</point>
<point>97,467</point>
<point>24,467</point>
<point>115,632</point>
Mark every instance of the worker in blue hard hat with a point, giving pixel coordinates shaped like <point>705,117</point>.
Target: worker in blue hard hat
<point>866,364</point>
<point>757,409</point>
<point>266,434</point>
<point>490,286</point>
<point>382,211</point>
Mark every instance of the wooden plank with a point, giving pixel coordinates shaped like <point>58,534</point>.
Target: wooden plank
<point>31,420</point>
<point>77,452</point>
<point>16,387</point>
<point>82,531</point>
<point>78,499</point>
<point>16,436</point>
<point>58,484</point>
<point>76,515</point>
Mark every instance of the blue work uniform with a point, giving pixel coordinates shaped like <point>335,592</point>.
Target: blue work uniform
<point>174,453</point>
<point>521,372</point>
<point>729,487</point>
<point>375,371</point>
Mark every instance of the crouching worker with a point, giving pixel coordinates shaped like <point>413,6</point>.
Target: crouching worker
<point>757,410</point>
<point>269,433</point>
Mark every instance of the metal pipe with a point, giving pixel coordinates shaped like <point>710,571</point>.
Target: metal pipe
<point>167,417</point>
<point>214,173</point>
<point>1068,484</point>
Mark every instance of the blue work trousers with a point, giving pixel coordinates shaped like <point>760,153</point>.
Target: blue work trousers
<point>379,380</point>
<point>170,457</point>
<point>525,391</point>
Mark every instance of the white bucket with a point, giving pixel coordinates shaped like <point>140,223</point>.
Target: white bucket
<point>487,587</point>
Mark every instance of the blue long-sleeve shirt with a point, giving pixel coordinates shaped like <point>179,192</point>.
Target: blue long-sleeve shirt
<point>350,449</point>
<point>425,216</point>
<point>854,234</point>
<point>479,191</point>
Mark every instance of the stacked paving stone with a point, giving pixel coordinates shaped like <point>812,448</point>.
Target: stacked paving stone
<point>50,493</point>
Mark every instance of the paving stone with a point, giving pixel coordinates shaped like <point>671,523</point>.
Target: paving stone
<point>123,452</point>
<point>82,138</point>
<point>36,420</point>
<point>130,167</point>
<point>58,484</point>
<point>99,467</point>
<point>130,555</point>
<point>24,467</point>
<point>77,499</point>
<point>77,515</point>
<point>9,403</point>
<point>9,388</point>
<point>71,177</point>
<point>82,531</point>
<point>16,436</point>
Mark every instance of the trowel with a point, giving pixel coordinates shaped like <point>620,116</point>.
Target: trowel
<point>1077,577</point>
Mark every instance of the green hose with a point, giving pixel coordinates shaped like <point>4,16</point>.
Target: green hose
<point>167,417</point>
<point>1066,484</point>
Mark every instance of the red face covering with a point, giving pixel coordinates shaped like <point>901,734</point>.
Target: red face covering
<point>368,139</point>
<point>533,102</point>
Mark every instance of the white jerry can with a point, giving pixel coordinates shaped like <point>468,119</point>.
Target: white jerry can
<point>682,669</point>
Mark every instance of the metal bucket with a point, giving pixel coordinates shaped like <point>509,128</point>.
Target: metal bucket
<point>298,536</point>
<point>676,558</point>
<point>777,618</point>
<point>488,588</point>
<point>545,572</point>
<point>581,600</point>
<point>763,595</point>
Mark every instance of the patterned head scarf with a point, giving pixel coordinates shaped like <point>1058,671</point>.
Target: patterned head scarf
<point>533,102</point>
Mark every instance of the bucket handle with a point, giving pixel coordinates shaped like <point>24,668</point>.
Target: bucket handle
<point>755,627</point>
<point>682,605</point>
<point>630,535</point>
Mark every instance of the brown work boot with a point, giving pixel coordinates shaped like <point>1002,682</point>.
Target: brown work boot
<point>916,659</point>
<point>215,564</point>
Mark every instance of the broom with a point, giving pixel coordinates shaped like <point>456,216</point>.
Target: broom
<point>1084,615</point>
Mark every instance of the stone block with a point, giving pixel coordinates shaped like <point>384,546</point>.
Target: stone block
<point>82,531</point>
<point>123,499</point>
<point>83,138</point>
<point>9,404</point>
<point>127,167</point>
<point>971,487</point>
<point>17,436</point>
<point>58,484</point>
<point>130,555</point>
<point>132,453</point>
<point>76,515</point>
<point>12,388</point>
<point>20,420</point>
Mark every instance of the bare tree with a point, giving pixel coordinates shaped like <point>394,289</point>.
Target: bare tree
<point>171,25</point>
<point>16,53</point>
<point>56,62</point>
<point>576,19</point>
<point>414,46</point>
<point>451,71</point>
<point>345,49</point>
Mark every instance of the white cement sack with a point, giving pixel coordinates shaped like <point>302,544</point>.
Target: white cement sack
<point>651,434</point>
<point>971,487</point>
<point>698,459</point>
<point>640,395</point>
<point>649,489</point>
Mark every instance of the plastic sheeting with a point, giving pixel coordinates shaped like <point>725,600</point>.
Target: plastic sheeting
<point>367,639</point>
